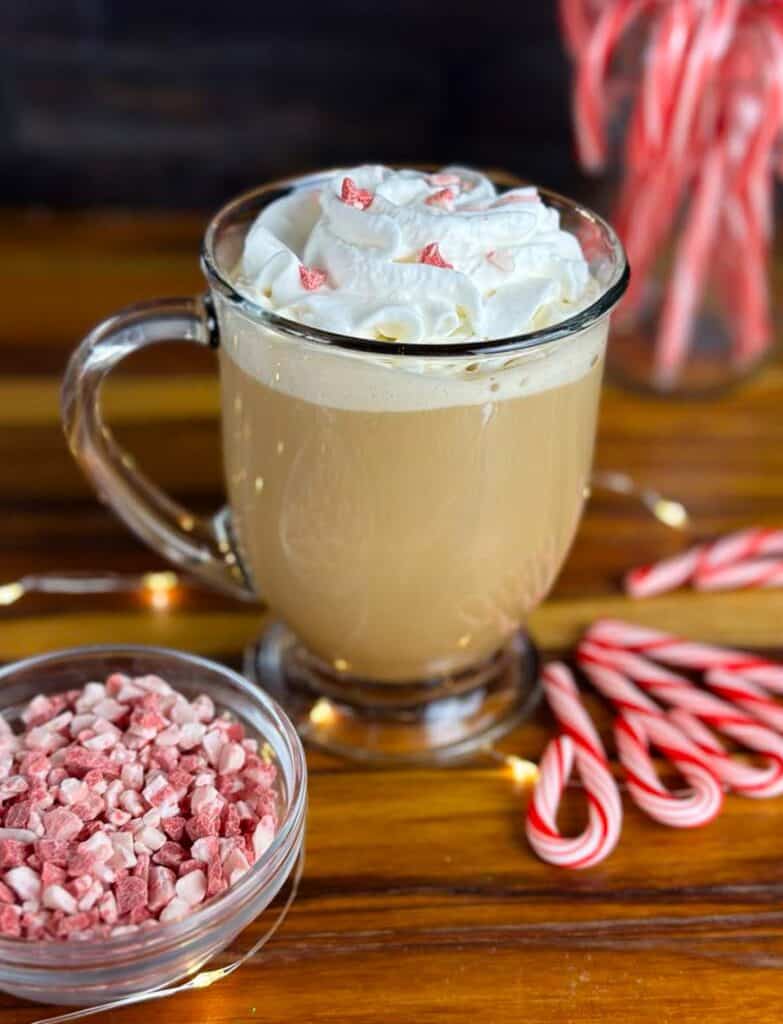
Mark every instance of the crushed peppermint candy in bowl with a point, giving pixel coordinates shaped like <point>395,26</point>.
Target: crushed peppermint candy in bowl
<point>152,805</point>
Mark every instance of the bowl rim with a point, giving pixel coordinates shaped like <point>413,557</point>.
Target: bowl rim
<point>261,872</point>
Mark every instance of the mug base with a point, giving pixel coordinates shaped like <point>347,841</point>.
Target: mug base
<point>435,721</point>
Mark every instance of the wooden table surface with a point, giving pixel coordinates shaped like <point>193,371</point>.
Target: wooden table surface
<point>421,900</point>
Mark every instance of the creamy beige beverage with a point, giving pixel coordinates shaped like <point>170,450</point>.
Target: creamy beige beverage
<point>404,514</point>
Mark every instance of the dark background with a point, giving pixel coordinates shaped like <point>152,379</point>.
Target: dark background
<point>182,104</point>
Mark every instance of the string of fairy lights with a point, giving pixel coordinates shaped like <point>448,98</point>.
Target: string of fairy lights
<point>161,590</point>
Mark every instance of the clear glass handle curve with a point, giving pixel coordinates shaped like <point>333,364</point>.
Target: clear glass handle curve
<point>202,547</point>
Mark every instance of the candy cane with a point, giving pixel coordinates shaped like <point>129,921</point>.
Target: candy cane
<point>755,573</point>
<point>640,723</point>
<point>688,277</point>
<point>668,574</point>
<point>576,23</point>
<point>681,694</point>
<point>732,687</point>
<point>671,650</point>
<point>706,561</point>
<point>582,744</point>
<point>633,735</point>
<point>754,120</point>
<point>754,542</point>
<point>669,47</point>
<point>706,49</point>
<point>590,88</point>
<point>746,779</point>
<point>611,673</point>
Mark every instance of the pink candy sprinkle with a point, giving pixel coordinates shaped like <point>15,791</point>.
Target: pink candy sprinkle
<point>431,255</point>
<point>123,805</point>
<point>360,198</point>
<point>311,277</point>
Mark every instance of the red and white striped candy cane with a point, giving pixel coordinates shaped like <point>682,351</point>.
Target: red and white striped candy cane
<point>741,546</point>
<point>688,278</point>
<point>670,31</point>
<point>590,113</point>
<point>576,23</point>
<point>738,776</point>
<point>761,573</point>
<point>640,723</point>
<point>671,650</point>
<point>616,687</point>
<point>754,699</point>
<point>633,735</point>
<point>681,694</point>
<point>669,47</point>
<point>607,670</point>
<point>705,50</point>
<point>583,745</point>
<point>712,566</point>
<point>663,576</point>
<point>754,120</point>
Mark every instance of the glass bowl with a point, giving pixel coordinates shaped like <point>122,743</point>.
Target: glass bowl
<point>79,973</point>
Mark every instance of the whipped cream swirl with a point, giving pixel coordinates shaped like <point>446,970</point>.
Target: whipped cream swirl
<point>409,256</point>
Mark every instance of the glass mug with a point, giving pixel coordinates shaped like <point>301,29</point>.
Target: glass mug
<point>400,507</point>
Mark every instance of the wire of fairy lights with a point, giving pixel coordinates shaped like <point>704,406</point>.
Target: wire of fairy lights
<point>157,589</point>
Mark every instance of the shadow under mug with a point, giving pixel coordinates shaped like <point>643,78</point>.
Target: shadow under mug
<point>401,507</point>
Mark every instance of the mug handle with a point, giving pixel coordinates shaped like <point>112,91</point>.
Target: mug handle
<point>202,547</point>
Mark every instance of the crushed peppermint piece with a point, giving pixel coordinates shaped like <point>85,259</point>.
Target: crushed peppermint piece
<point>360,198</point>
<point>125,804</point>
<point>526,195</point>
<point>431,255</point>
<point>444,198</point>
<point>443,178</point>
<point>312,279</point>
<point>502,259</point>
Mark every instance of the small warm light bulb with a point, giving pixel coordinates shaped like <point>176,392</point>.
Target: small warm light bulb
<point>160,588</point>
<point>206,978</point>
<point>160,581</point>
<point>160,600</point>
<point>322,712</point>
<point>670,513</point>
<point>10,592</point>
<point>523,772</point>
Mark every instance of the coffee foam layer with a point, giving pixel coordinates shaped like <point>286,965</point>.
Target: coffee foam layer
<point>340,379</point>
